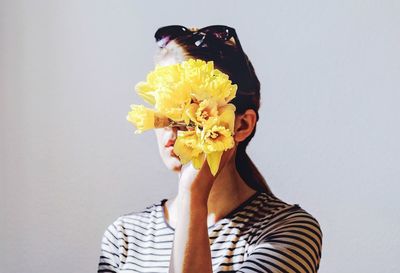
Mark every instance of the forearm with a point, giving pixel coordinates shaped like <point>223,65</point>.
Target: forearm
<point>191,249</point>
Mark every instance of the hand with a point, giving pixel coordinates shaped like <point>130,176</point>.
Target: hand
<point>200,181</point>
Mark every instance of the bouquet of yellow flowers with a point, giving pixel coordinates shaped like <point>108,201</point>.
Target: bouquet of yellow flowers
<point>192,94</point>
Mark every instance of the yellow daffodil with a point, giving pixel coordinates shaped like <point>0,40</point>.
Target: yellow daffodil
<point>207,82</point>
<point>226,116</point>
<point>187,147</point>
<point>172,102</point>
<point>196,94</point>
<point>200,113</point>
<point>215,140</point>
<point>146,91</point>
<point>163,77</point>
<point>144,118</point>
<point>207,114</point>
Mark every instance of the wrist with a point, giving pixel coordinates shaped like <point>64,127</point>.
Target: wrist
<point>194,199</point>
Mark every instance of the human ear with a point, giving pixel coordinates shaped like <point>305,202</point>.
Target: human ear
<point>244,124</point>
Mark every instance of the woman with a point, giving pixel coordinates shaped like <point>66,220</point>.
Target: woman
<point>230,222</point>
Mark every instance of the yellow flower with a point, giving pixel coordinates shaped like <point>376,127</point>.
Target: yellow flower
<point>216,138</point>
<point>226,116</point>
<point>187,147</point>
<point>215,141</point>
<point>207,82</point>
<point>198,94</point>
<point>172,102</point>
<point>160,79</point>
<point>207,113</point>
<point>200,113</point>
<point>144,118</point>
<point>146,91</point>
<point>222,87</point>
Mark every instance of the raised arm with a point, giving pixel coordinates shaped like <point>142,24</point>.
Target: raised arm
<point>191,248</point>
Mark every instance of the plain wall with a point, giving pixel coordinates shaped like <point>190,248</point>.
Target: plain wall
<point>327,138</point>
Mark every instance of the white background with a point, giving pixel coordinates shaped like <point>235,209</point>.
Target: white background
<point>327,138</point>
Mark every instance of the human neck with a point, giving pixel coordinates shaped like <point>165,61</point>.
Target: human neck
<point>227,193</point>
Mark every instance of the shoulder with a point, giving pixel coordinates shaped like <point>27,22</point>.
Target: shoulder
<point>287,233</point>
<point>136,219</point>
<point>132,225</point>
<point>276,214</point>
<point>119,233</point>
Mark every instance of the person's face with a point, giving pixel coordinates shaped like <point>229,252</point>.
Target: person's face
<point>166,136</point>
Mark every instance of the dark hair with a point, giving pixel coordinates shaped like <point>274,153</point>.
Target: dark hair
<point>228,59</point>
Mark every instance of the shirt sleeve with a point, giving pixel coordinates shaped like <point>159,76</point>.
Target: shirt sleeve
<point>291,245</point>
<point>109,252</point>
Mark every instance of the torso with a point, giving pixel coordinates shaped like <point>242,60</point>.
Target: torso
<point>145,238</point>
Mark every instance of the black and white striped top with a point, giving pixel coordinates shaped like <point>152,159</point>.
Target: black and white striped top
<point>263,234</point>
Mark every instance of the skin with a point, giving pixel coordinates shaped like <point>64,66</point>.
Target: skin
<point>228,189</point>
<point>202,199</point>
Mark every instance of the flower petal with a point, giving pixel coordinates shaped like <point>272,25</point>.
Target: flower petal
<point>141,117</point>
<point>213,160</point>
<point>146,91</point>
<point>227,116</point>
<point>198,161</point>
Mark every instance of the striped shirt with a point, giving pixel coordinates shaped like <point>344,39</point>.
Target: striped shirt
<point>263,234</point>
